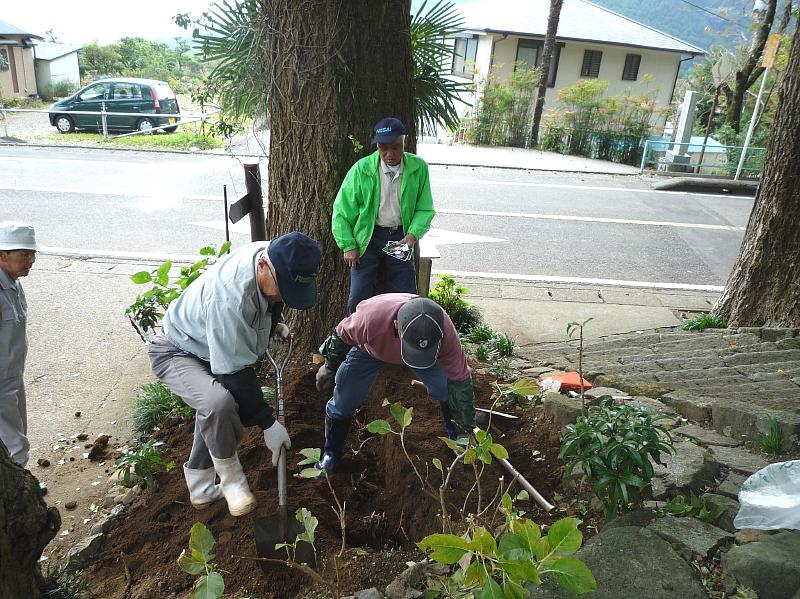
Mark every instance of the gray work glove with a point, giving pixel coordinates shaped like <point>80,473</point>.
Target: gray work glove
<point>326,378</point>
<point>276,437</point>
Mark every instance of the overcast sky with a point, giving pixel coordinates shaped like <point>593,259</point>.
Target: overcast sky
<point>87,20</point>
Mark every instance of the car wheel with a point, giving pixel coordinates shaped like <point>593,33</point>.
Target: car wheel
<point>170,129</point>
<point>146,126</point>
<point>64,124</point>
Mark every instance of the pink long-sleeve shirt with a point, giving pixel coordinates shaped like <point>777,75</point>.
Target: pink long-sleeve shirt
<point>372,328</point>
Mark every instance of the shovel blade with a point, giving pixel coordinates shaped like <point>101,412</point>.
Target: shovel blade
<point>281,527</point>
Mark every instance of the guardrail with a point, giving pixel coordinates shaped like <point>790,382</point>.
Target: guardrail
<point>180,119</point>
<point>655,151</point>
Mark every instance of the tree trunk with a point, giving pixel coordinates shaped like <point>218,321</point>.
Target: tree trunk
<point>337,68</point>
<point>750,72</point>
<point>547,57</point>
<point>27,525</point>
<point>764,287</point>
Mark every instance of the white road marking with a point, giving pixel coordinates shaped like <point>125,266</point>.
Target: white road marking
<point>590,219</point>
<point>584,187</point>
<point>154,196</point>
<point>580,280</point>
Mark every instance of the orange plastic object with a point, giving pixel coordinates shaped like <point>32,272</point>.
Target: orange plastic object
<point>570,381</point>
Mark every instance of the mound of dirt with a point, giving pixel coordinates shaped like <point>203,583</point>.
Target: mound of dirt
<point>386,510</point>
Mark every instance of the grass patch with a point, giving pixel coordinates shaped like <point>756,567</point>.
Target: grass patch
<point>772,441</point>
<point>180,140</point>
<point>705,321</point>
<point>155,404</point>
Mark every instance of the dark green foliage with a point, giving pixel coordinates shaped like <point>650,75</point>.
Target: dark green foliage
<point>696,508</point>
<point>703,322</point>
<point>154,405</point>
<point>613,446</point>
<point>60,582</point>
<point>502,344</point>
<point>479,334</point>
<point>450,296</point>
<point>141,465</point>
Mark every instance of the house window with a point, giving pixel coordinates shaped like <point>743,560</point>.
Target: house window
<point>591,63</point>
<point>465,51</point>
<point>4,64</point>
<point>529,54</point>
<point>630,72</point>
<point>551,76</point>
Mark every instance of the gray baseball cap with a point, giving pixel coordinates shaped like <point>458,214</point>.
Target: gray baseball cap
<point>17,236</point>
<point>420,323</point>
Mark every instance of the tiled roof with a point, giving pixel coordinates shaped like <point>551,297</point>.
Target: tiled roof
<point>580,20</point>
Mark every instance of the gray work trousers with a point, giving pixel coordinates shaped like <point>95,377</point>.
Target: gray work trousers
<point>14,419</point>
<point>217,427</point>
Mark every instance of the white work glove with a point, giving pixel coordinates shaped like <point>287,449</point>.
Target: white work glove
<point>281,330</point>
<point>276,437</point>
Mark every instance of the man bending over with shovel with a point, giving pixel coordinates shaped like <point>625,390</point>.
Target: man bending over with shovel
<point>211,336</point>
<point>393,328</point>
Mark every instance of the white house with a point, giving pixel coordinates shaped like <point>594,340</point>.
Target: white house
<point>591,42</point>
<point>55,63</point>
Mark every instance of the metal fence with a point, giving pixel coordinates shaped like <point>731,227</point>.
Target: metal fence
<point>721,161</point>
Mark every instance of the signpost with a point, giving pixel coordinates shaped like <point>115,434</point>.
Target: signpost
<point>252,203</point>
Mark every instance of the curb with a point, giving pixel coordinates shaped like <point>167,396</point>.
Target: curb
<point>722,186</point>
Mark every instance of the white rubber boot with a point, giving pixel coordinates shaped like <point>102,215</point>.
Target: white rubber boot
<point>202,488</point>
<point>234,485</point>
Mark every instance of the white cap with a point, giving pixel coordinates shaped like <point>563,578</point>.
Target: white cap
<point>17,236</point>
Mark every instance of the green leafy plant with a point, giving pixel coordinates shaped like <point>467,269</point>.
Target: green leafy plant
<point>197,561</point>
<point>696,508</point>
<point>154,405</point>
<point>482,353</point>
<point>311,457</point>
<point>501,368</point>
<point>479,334</point>
<point>503,344</point>
<point>521,393</point>
<point>485,567</point>
<point>309,522</point>
<point>63,582</point>
<point>450,296</point>
<point>613,446</point>
<point>704,321</point>
<point>140,466</point>
<point>149,307</point>
<point>772,441</point>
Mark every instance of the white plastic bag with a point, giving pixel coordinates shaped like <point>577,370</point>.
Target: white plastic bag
<point>770,498</point>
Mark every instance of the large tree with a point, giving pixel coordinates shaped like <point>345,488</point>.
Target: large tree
<point>764,287</point>
<point>334,67</point>
<point>547,58</point>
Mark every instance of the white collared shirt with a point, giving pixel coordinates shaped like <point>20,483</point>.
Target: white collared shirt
<point>389,208</point>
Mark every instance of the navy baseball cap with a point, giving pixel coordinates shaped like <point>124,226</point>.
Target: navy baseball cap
<point>388,130</point>
<point>295,258</point>
<point>420,322</point>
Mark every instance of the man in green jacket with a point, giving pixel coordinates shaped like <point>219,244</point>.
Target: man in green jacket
<point>384,201</point>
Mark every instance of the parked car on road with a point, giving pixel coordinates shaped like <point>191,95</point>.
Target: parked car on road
<point>140,101</point>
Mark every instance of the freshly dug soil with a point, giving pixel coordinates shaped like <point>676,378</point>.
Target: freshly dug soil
<point>386,511</point>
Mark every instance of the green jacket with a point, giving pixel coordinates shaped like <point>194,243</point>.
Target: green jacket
<point>356,206</point>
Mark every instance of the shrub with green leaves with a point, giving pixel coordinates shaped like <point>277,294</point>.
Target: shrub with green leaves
<point>613,446</point>
<point>450,296</point>
<point>140,466</point>
<point>696,508</point>
<point>485,567</point>
<point>704,321</point>
<point>501,368</point>
<point>197,561</point>
<point>503,344</point>
<point>521,393</point>
<point>148,308</point>
<point>154,405</point>
<point>479,334</point>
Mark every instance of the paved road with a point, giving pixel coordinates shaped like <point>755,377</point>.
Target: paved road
<point>491,222</point>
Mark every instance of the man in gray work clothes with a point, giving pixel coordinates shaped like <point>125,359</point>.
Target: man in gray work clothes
<point>17,255</point>
<point>212,335</point>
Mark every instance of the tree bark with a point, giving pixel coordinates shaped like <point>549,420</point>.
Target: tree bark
<point>336,68</point>
<point>764,287</point>
<point>27,525</point>
<point>750,72</point>
<point>547,57</point>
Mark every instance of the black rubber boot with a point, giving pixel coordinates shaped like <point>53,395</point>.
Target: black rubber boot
<point>335,437</point>
<point>449,425</point>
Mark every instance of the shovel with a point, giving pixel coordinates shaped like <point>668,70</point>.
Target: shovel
<point>282,526</point>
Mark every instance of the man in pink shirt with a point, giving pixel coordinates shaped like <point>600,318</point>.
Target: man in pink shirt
<point>393,328</point>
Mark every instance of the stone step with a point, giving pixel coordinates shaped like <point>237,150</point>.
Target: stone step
<point>763,357</point>
<point>740,419</point>
<point>705,437</point>
<point>697,373</point>
<point>695,407</point>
